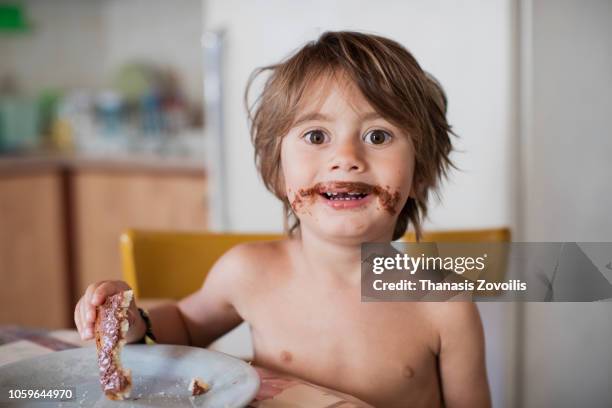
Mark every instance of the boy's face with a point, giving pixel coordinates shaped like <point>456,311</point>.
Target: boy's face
<point>347,171</point>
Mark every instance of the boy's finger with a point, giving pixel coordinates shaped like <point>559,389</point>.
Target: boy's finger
<point>106,289</point>
<point>89,291</point>
<point>93,297</point>
<point>80,321</point>
<point>87,333</point>
<point>84,321</point>
<point>87,311</point>
<point>87,330</point>
<point>77,316</point>
<point>89,314</point>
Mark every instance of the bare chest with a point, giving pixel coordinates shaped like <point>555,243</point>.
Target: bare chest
<point>376,351</point>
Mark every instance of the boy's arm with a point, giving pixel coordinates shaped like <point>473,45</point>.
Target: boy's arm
<point>207,314</point>
<point>462,363</point>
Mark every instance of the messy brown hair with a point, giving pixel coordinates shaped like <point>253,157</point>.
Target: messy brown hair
<point>391,80</point>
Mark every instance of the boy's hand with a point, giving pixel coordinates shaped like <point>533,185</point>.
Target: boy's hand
<point>95,295</point>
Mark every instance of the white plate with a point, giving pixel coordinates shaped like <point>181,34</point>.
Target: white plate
<point>160,377</point>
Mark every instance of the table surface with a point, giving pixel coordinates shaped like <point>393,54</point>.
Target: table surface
<point>276,391</point>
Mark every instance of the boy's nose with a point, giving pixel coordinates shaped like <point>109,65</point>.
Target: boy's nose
<point>348,157</point>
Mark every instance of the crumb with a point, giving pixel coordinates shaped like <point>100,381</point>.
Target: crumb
<point>197,386</point>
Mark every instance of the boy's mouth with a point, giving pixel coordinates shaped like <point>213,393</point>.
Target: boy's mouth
<point>342,195</point>
<point>343,190</point>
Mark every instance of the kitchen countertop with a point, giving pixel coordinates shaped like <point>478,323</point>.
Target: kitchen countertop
<point>10,164</point>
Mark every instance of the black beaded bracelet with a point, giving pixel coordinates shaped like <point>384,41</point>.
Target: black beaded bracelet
<point>148,337</point>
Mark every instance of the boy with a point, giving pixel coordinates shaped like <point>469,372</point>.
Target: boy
<point>351,135</point>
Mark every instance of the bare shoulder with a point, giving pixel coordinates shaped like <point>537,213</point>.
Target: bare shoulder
<point>249,261</point>
<point>454,320</point>
<point>454,313</point>
<point>258,249</point>
<point>257,252</point>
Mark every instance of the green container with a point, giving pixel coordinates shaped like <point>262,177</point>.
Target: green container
<point>11,18</point>
<point>19,124</point>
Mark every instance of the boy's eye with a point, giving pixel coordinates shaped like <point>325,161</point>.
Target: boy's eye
<point>377,137</point>
<point>315,137</point>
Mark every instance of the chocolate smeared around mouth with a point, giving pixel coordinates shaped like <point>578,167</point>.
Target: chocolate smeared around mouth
<point>388,200</point>
<point>346,191</point>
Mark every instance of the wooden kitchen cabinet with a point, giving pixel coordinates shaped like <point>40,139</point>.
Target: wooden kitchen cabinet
<point>34,285</point>
<point>105,204</point>
<point>60,221</point>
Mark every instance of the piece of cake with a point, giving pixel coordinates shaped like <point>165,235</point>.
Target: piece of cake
<point>197,386</point>
<point>110,329</point>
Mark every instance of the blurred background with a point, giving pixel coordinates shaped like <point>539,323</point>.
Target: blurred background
<point>117,114</point>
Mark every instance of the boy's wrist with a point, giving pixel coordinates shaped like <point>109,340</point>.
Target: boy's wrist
<point>137,329</point>
<point>147,336</point>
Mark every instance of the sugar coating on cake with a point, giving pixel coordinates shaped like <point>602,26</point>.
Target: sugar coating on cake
<point>110,328</point>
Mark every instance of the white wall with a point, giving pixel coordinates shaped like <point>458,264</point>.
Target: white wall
<point>570,147</point>
<point>81,44</point>
<point>468,46</point>
<point>63,48</point>
<point>568,155</point>
<point>159,31</point>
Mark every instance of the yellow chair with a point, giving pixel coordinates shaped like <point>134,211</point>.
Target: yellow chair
<point>487,238</point>
<point>171,265</point>
<point>481,235</point>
